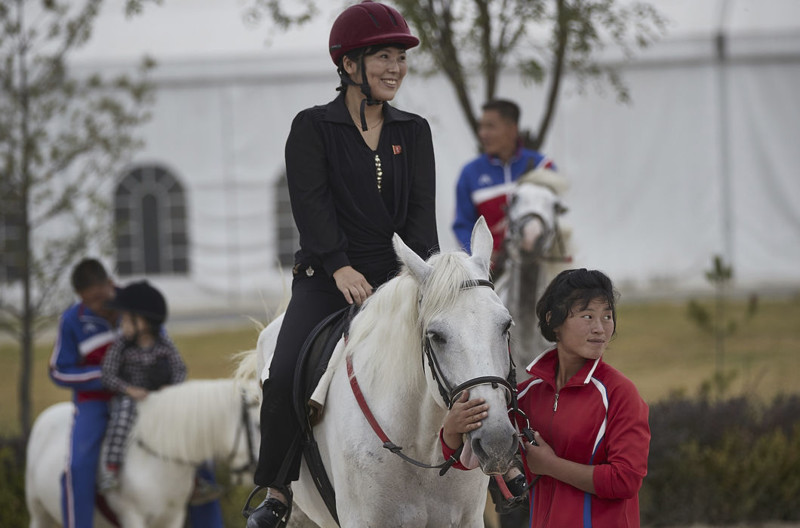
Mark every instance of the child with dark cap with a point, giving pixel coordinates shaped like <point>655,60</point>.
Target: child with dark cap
<point>142,359</point>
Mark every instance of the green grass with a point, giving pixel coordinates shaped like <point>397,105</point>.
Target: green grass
<point>657,346</point>
<point>664,352</point>
<point>207,355</point>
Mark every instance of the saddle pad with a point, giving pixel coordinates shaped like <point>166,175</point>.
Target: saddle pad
<point>313,362</point>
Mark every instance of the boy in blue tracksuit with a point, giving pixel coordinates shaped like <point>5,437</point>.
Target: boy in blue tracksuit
<point>86,330</point>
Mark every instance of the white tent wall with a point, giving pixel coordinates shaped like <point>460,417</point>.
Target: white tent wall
<point>644,201</point>
<point>702,162</point>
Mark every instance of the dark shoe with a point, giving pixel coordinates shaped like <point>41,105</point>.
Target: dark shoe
<point>508,496</point>
<point>518,486</point>
<point>269,514</point>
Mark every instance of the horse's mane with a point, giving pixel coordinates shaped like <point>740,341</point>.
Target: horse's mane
<point>388,329</point>
<point>555,181</point>
<point>246,374</point>
<point>186,421</point>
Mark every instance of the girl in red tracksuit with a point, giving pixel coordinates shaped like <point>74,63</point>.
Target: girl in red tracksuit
<point>590,422</point>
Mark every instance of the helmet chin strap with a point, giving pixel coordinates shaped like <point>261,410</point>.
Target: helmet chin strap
<point>365,89</point>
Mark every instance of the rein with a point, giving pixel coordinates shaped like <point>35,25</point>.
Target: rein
<point>388,444</point>
<point>450,395</point>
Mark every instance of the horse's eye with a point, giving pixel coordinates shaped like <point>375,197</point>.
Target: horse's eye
<point>437,338</point>
<point>507,329</point>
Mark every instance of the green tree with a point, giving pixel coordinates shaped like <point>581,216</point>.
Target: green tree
<point>718,323</point>
<point>61,138</point>
<point>462,37</point>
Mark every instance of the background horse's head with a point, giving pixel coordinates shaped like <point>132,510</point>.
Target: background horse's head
<point>464,330</point>
<point>532,211</point>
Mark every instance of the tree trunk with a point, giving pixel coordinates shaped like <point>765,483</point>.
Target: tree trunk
<point>26,330</point>
<point>562,34</point>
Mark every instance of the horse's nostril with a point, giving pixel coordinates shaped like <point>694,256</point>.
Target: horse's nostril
<point>477,448</point>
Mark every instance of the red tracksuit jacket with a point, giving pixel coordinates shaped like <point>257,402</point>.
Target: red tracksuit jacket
<point>597,418</point>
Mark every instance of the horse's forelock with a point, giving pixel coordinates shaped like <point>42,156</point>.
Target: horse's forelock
<point>442,287</point>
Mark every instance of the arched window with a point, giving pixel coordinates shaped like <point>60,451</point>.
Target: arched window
<point>150,216</point>
<point>286,235</point>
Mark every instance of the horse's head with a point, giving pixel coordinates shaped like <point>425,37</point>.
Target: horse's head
<point>531,211</point>
<point>465,332</point>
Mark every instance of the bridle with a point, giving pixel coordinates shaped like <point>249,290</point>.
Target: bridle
<point>449,393</point>
<point>538,254</point>
<point>247,428</point>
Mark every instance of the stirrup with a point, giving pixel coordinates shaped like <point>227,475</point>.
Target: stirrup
<point>271,513</point>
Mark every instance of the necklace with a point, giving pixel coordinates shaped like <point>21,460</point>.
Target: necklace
<point>356,120</point>
<point>378,171</point>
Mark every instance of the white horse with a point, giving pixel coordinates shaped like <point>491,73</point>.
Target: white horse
<point>178,428</point>
<point>437,320</point>
<point>536,251</point>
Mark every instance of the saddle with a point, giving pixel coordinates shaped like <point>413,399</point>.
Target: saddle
<point>311,365</point>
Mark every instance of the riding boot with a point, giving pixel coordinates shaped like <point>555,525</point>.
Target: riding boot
<point>271,513</point>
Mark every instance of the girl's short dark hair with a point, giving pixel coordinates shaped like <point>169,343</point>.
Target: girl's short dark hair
<point>571,288</point>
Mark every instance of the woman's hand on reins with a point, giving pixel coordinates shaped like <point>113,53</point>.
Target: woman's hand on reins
<point>352,284</point>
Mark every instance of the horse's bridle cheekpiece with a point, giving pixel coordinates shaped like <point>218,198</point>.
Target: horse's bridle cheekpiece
<point>449,394</point>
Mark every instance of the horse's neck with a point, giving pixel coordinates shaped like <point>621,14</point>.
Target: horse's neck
<point>191,421</point>
<point>406,412</point>
<point>524,287</point>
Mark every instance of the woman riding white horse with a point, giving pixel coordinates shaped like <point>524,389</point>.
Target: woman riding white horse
<point>419,341</point>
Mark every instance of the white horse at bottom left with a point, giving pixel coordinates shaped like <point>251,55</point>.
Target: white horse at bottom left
<point>178,428</point>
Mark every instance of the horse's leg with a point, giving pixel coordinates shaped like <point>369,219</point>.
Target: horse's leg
<point>177,520</point>
<point>41,519</point>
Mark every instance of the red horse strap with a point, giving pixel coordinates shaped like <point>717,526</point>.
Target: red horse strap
<point>362,403</point>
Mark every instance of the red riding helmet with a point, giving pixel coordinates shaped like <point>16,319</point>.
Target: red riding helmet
<point>367,24</point>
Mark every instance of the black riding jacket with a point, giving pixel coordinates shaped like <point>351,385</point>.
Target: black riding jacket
<point>342,217</point>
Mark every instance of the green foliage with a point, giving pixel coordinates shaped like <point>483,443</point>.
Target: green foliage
<point>301,12</point>
<point>540,39</point>
<point>62,138</point>
<point>716,322</point>
<point>13,512</point>
<point>722,462</point>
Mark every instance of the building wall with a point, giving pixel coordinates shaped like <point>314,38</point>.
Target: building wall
<point>702,162</point>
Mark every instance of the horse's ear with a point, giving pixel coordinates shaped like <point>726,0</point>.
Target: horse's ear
<point>418,267</point>
<point>482,243</point>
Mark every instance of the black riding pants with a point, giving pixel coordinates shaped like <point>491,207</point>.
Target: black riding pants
<point>313,299</point>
